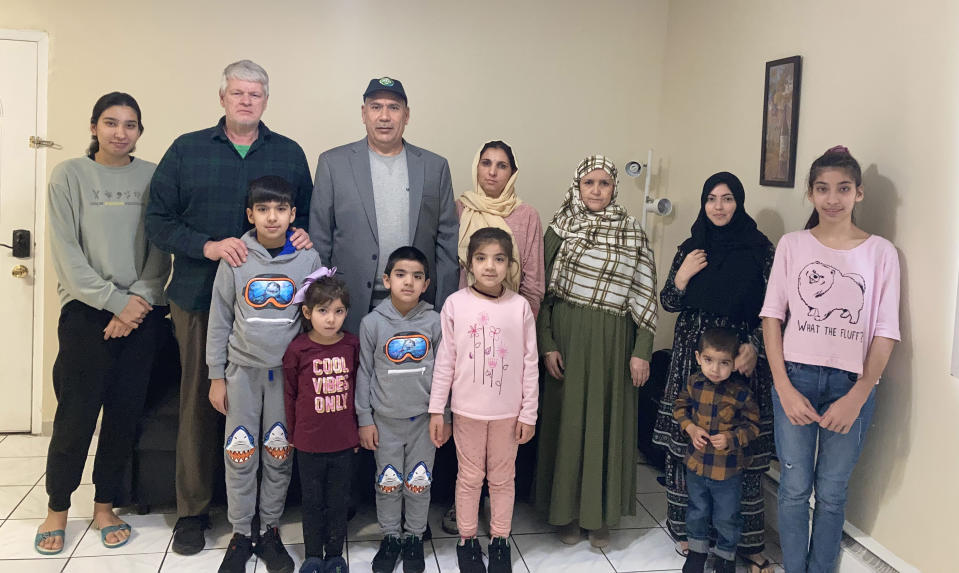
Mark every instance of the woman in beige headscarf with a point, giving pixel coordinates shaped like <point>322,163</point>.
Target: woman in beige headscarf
<point>493,203</point>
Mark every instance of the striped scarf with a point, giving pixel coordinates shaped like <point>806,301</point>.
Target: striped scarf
<point>605,261</point>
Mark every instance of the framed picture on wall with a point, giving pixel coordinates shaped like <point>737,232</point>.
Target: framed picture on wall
<point>777,166</point>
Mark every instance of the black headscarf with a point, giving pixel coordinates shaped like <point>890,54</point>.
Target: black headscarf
<point>732,283</point>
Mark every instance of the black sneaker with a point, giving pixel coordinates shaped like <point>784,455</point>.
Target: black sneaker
<point>725,565</point>
<point>470,556</point>
<point>188,536</point>
<point>499,556</point>
<point>270,550</point>
<point>413,561</point>
<point>385,559</point>
<point>695,562</point>
<point>336,564</point>
<point>313,565</point>
<point>237,554</point>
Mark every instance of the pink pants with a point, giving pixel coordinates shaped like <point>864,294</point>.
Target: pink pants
<point>485,448</point>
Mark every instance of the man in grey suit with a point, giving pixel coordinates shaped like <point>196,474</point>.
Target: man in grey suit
<point>380,193</point>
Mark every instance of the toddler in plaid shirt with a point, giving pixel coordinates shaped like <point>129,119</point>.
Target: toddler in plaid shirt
<point>717,410</point>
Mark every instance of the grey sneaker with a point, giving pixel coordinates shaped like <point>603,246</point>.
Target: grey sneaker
<point>449,522</point>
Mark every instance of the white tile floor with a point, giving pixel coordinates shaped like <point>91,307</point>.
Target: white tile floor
<point>639,544</point>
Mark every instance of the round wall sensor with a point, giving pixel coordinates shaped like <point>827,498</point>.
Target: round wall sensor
<point>633,168</point>
<point>660,206</point>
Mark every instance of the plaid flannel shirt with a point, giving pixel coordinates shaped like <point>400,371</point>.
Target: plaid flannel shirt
<point>198,194</point>
<point>727,407</point>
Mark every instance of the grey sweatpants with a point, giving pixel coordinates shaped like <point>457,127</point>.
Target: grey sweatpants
<point>404,472</point>
<point>254,394</point>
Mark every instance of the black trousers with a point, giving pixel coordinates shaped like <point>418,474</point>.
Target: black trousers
<point>89,374</point>
<point>325,484</point>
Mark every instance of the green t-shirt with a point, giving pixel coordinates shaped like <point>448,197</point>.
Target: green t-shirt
<point>242,149</point>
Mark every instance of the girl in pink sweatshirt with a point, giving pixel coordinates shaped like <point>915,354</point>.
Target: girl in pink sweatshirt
<point>830,321</point>
<point>488,358</point>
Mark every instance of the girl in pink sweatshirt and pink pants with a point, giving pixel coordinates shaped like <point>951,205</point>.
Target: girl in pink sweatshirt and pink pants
<point>488,359</point>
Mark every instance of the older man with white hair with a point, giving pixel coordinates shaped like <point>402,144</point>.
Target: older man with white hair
<point>196,212</point>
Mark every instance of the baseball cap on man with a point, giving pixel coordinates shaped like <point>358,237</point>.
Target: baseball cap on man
<point>385,84</point>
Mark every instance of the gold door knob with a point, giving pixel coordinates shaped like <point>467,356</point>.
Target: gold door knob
<point>20,271</point>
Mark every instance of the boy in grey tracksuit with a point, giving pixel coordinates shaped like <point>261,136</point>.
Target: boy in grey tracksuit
<point>253,319</point>
<point>397,350</point>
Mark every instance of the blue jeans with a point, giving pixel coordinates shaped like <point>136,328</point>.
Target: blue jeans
<point>716,501</point>
<point>829,470</point>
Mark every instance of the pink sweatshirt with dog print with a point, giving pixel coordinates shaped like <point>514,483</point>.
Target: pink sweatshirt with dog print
<point>833,302</point>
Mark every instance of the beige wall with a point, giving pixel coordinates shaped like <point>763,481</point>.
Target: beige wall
<point>881,77</point>
<point>557,80</point>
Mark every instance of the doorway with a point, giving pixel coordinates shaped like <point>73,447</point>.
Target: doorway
<point>23,59</point>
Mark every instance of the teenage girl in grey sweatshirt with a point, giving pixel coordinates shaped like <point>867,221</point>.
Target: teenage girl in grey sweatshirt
<point>110,280</point>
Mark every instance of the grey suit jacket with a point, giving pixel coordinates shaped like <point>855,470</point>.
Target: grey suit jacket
<point>343,221</point>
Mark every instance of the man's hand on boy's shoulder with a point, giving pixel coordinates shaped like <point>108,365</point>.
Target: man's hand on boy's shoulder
<point>230,249</point>
<point>300,239</point>
<point>369,437</point>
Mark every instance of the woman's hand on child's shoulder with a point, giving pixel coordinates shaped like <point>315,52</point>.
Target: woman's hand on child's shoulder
<point>746,359</point>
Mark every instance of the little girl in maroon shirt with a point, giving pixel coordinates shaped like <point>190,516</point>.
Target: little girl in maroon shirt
<point>320,368</point>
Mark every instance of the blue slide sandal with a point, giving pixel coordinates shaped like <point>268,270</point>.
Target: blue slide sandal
<point>41,537</point>
<point>113,529</point>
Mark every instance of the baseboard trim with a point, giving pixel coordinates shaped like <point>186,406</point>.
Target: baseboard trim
<point>873,553</point>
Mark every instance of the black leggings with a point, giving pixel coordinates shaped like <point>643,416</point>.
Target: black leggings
<point>91,373</point>
<point>325,483</point>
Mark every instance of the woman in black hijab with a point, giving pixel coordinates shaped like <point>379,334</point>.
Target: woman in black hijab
<point>718,278</point>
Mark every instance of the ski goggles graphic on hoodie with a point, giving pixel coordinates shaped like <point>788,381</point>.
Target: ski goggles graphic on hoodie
<point>269,290</point>
<point>407,347</point>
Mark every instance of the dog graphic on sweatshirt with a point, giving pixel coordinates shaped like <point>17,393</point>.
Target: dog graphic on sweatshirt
<point>825,289</point>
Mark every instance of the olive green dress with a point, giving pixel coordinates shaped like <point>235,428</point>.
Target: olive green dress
<point>587,438</point>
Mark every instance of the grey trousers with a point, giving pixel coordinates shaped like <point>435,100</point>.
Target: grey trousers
<point>404,473</point>
<point>200,426</point>
<point>253,393</point>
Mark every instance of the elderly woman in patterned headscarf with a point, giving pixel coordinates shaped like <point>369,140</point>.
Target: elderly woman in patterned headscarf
<point>595,333</point>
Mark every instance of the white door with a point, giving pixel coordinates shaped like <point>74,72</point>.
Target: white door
<point>19,119</point>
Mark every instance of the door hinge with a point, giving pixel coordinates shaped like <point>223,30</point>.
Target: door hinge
<point>36,143</point>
